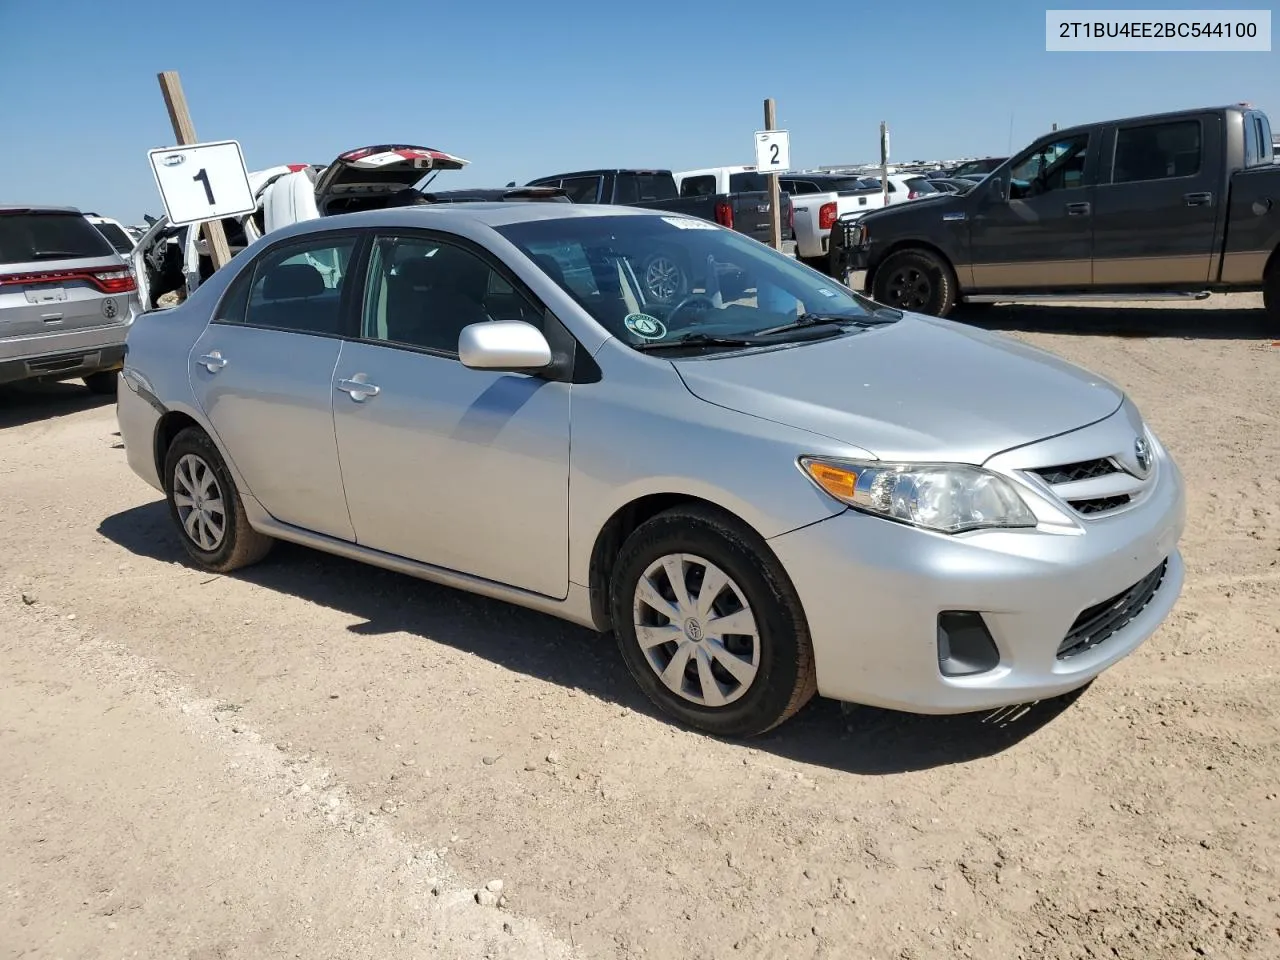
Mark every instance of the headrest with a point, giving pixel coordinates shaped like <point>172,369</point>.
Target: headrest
<point>291,280</point>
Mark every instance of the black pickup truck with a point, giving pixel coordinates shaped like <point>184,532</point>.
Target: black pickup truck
<point>665,279</point>
<point>1165,206</point>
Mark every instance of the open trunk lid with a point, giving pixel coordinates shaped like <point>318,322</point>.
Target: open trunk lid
<point>362,179</point>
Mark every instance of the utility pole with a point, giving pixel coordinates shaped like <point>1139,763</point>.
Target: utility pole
<point>775,197</point>
<point>884,161</point>
<point>185,130</point>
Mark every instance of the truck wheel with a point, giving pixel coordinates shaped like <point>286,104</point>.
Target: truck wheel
<point>103,382</point>
<point>1271,296</point>
<point>916,280</point>
<point>664,278</point>
<point>821,264</point>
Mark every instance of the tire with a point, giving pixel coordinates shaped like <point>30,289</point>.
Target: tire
<point>103,382</point>
<point>239,545</point>
<point>774,673</point>
<point>916,280</point>
<point>821,264</point>
<point>1271,296</point>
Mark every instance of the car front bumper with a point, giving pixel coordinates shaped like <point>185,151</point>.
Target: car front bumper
<point>872,591</point>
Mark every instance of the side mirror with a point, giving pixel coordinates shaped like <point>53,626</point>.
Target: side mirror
<point>511,345</point>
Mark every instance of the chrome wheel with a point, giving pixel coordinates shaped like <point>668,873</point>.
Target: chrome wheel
<point>696,630</point>
<point>201,507</point>
<point>663,279</point>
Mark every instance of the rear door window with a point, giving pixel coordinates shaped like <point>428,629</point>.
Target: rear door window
<point>1157,151</point>
<point>116,236</point>
<point>919,185</point>
<point>32,237</point>
<point>296,287</point>
<point>700,186</point>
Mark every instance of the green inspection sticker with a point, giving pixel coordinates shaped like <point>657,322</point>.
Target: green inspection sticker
<point>645,326</point>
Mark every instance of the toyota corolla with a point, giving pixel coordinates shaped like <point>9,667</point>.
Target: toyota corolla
<point>769,488</point>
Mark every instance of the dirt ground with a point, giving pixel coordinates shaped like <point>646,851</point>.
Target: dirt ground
<point>317,759</point>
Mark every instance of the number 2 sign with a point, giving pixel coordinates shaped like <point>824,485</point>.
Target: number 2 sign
<point>773,151</point>
<point>202,181</point>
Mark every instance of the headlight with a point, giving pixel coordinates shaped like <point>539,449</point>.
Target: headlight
<point>951,498</point>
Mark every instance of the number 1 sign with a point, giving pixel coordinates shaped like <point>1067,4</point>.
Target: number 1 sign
<point>202,181</point>
<point>773,151</point>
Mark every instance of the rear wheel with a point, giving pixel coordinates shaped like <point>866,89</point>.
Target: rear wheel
<point>206,508</point>
<point>916,280</point>
<point>103,382</point>
<point>709,624</point>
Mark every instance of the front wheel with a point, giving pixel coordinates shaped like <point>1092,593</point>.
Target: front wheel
<point>206,507</point>
<point>821,264</point>
<point>916,280</point>
<point>709,625</point>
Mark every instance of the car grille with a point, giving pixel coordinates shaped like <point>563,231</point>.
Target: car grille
<point>1092,488</point>
<point>1071,472</point>
<point>1102,621</point>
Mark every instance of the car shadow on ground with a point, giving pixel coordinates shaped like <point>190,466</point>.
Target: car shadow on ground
<point>860,740</point>
<point>1138,321</point>
<point>27,402</point>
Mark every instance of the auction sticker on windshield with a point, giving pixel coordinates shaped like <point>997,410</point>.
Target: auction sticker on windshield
<point>645,326</point>
<point>689,223</point>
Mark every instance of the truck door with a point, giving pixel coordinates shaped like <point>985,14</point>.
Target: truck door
<point>1032,221</point>
<point>1159,201</point>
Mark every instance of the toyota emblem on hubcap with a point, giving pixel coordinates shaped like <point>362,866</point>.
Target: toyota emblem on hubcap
<point>693,630</point>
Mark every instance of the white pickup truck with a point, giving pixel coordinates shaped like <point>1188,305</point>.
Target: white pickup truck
<point>821,199</point>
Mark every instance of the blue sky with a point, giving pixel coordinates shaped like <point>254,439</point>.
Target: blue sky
<point>530,90</point>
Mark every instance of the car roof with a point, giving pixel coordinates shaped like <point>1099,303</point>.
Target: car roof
<point>36,208</point>
<point>1167,115</point>
<point>484,212</point>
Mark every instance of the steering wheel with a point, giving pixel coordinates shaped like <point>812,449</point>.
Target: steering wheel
<point>687,301</point>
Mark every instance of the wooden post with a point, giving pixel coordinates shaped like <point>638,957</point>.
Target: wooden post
<point>176,103</point>
<point>775,196</point>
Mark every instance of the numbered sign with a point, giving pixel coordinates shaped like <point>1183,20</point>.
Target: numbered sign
<point>202,181</point>
<point>773,151</point>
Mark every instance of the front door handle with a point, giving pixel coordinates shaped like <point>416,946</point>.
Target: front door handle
<point>213,361</point>
<point>359,389</point>
<point>1198,199</point>
<point>1078,209</point>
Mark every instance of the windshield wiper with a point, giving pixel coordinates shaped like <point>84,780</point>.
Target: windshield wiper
<point>806,320</point>
<point>699,340</point>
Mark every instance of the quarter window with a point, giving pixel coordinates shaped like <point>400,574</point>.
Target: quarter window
<point>1157,151</point>
<point>297,287</point>
<point>422,292</point>
<point>582,189</point>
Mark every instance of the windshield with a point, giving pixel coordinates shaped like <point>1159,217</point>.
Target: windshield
<point>651,279</point>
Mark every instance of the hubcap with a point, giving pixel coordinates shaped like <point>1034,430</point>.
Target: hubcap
<point>696,630</point>
<point>198,497</point>
<point>910,289</point>
<point>662,279</point>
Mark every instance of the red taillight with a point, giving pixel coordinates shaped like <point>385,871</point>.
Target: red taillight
<point>295,167</point>
<point>113,280</point>
<point>791,218</point>
<point>724,214</point>
<point>826,216</point>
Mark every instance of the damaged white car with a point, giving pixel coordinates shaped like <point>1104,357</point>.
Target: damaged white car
<point>172,258</point>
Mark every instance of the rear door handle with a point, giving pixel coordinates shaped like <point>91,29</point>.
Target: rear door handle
<point>1078,209</point>
<point>359,389</point>
<point>213,361</point>
<point>1198,199</point>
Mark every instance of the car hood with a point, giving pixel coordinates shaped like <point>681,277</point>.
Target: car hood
<point>918,389</point>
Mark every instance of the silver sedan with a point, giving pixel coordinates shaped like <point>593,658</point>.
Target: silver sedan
<point>766,488</point>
